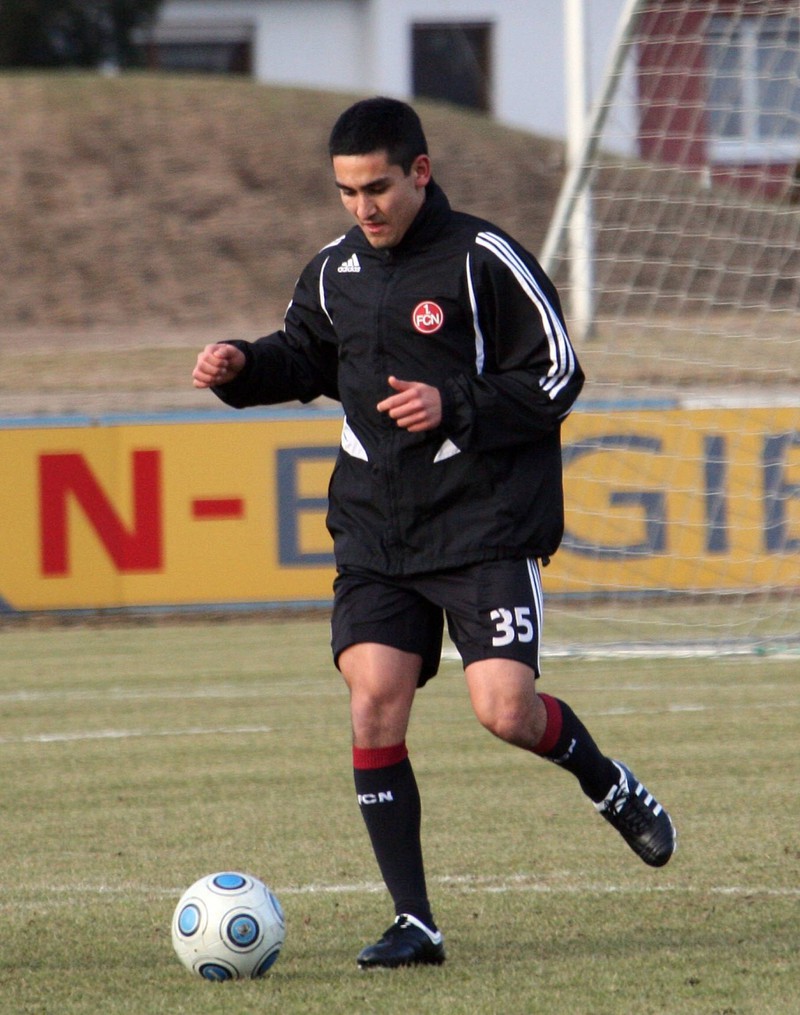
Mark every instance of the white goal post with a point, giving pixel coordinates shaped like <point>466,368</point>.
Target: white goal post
<point>675,245</point>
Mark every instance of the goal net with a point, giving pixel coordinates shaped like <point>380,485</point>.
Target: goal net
<point>676,247</point>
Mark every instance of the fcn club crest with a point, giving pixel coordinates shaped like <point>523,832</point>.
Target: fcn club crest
<point>427,317</point>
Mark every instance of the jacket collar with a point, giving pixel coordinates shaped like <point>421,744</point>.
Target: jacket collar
<point>429,221</point>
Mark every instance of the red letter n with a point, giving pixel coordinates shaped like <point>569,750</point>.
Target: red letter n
<point>136,550</point>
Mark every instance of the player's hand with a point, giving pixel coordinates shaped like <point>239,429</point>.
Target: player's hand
<point>217,364</point>
<point>415,407</point>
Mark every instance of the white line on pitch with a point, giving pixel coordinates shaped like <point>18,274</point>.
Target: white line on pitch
<point>56,738</point>
<point>468,884</point>
<point>523,883</point>
<point>259,690</point>
<point>197,731</point>
<point>634,650</point>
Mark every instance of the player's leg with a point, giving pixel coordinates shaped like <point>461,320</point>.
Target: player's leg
<point>505,701</point>
<point>499,644</point>
<point>501,695</point>
<point>382,682</point>
<point>382,679</point>
<point>504,698</point>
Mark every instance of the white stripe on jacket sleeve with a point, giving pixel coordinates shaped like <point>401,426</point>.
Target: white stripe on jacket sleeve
<point>562,357</point>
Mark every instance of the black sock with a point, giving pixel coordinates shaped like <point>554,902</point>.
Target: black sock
<point>390,805</point>
<point>567,743</point>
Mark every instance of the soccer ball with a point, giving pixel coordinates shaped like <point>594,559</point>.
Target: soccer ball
<point>228,926</point>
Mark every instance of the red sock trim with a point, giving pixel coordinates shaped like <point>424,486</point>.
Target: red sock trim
<point>552,730</point>
<point>379,757</point>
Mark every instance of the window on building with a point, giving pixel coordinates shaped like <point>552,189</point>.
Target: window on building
<point>199,49</point>
<point>451,63</point>
<point>753,67</point>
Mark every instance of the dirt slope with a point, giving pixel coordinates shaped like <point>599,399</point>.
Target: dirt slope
<point>169,202</point>
<point>141,216</point>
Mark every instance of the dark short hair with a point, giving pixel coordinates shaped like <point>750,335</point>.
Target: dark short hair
<point>379,124</point>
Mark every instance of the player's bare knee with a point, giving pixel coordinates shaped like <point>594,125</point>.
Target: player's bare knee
<point>379,717</point>
<point>510,725</point>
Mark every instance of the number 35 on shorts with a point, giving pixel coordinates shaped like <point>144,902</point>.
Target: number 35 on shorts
<point>512,625</point>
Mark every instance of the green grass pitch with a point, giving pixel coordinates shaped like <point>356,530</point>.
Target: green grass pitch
<point>138,756</point>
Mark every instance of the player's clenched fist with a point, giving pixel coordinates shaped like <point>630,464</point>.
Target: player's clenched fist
<point>217,364</point>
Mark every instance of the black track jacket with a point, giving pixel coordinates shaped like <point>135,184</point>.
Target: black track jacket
<point>460,305</point>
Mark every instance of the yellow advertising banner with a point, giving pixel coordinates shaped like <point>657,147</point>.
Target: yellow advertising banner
<point>167,512</point>
<point>681,499</point>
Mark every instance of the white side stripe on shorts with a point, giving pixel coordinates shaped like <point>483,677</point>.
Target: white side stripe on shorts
<point>538,602</point>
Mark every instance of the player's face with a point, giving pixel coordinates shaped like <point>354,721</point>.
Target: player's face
<point>381,198</point>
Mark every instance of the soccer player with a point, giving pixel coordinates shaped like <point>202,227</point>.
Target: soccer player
<point>445,343</point>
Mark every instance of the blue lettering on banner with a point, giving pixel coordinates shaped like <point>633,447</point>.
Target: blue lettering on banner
<point>653,502</point>
<point>777,491</point>
<point>716,476</point>
<point>291,505</point>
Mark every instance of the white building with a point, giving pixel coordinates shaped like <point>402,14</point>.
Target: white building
<point>713,85</point>
<point>502,56</point>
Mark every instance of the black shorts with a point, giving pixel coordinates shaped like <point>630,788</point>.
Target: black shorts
<point>493,610</point>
